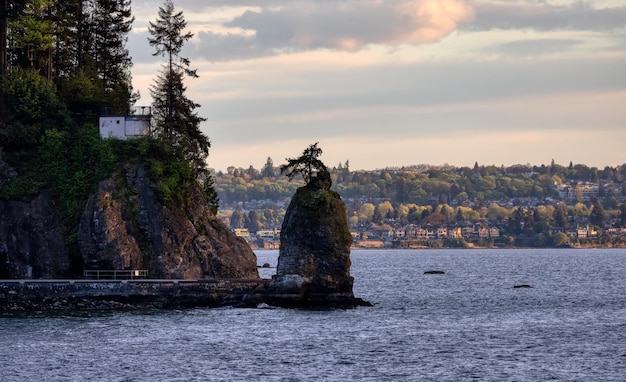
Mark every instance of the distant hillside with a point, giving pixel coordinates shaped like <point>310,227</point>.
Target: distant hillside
<point>518,200</point>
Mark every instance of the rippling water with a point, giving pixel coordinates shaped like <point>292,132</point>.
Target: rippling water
<point>469,324</point>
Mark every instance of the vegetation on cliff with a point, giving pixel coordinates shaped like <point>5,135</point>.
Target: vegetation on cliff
<point>62,64</point>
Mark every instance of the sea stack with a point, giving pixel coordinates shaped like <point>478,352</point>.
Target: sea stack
<point>314,259</point>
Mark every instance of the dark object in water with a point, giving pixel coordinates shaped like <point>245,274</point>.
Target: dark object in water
<point>265,265</point>
<point>434,273</point>
<point>522,286</point>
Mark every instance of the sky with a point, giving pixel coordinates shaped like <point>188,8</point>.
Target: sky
<point>391,83</point>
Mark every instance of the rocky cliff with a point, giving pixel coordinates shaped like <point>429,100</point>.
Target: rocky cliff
<point>123,226</point>
<point>32,243</point>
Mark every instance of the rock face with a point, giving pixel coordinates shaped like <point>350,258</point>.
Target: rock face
<point>315,241</point>
<point>32,243</point>
<point>314,259</point>
<point>124,226</point>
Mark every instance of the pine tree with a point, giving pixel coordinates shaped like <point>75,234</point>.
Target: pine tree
<point>560,216</point>
<point>268,169</point>
<point>32,35</point>
<point>307,165</point>
<point>597,214</point>
<point>178,124</point>
<point>68,19</point>
<point>622,215</point>
<point>113,22</point>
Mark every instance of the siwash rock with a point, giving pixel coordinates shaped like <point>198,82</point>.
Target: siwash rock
<point>314,258</point>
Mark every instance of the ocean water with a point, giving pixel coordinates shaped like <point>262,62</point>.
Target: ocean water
<point>469,324</point>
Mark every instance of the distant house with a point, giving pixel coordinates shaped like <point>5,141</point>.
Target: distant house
<point>422,234</point>
<point>134,125</point>
<point>455,233</point>
<point>242,232</point>
<point>268,234</point>
<point>468,232</point>
<point>442,232</point>
<point>483,233</point>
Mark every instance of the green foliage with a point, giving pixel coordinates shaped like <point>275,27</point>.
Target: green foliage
<point>177,122</point>
<point>46,127</point>
<point>307,165</point>
<point>31,33</point>
<point>597,214</point>
<point>440,195</point>
<point>29,182</point>
<point>318,199</point>
<point>560,239</point>
<point>208,188</point>
<point>73,163</point>
<point>69,164</point>
<point>173,180</point>
<point>31,105</point>
<point>82,92</point>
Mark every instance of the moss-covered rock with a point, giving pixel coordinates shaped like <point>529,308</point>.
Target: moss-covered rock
<point>314,259</point>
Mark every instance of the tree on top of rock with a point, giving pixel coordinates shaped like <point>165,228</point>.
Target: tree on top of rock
<point>306,165</point>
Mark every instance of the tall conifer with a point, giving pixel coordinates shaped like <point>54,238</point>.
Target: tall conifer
<point>177,121</point>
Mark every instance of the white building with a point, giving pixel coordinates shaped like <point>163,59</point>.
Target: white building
<point>135,125</point>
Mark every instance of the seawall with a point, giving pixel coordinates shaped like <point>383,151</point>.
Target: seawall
<point>19,295</point>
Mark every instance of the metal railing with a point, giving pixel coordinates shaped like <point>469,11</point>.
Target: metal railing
<point>115,274</point>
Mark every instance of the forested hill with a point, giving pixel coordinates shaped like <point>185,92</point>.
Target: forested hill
<point>426,184</point>
<point>533,199</point>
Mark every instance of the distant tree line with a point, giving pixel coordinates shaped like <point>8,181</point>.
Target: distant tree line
<point>440,195</point>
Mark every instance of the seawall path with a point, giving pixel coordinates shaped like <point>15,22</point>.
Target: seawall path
<point>27,294</point>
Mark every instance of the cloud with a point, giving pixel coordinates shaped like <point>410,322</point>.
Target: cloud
<point>541,16</point>
<point>243,29</point>
<point>352,25</point>
<point>269,28</point>
<point>536,47</point>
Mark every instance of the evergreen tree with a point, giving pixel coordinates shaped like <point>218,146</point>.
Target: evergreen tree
<point>515,221</point>
<point>560,216</point>
<point>238,219</point>
<point>268,169</point>
<point>307,165</point>
<point>69,26</point>
<point>622,215</point>
<point>111,23</point>
<point>210,193</point>
<point>177,122</point>
<point>32,35</point>
<point>597,214</point>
